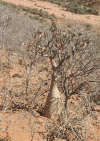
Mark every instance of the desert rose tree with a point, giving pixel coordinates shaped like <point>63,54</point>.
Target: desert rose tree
<point>75,64</point>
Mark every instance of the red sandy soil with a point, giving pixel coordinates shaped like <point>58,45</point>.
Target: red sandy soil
<point>20,124</point>
<point>59,12</point>
<point>28,125</point>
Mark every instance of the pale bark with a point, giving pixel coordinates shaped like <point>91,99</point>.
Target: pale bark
<point>53,105</point>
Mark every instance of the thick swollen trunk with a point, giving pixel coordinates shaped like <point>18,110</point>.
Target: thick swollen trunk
<point>53,105</point>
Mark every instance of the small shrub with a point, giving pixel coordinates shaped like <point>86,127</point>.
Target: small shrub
<point>19,7</point>
<point>78,7</point>
<point>3,3</point>
<point>30,16</point>
<point>52,16</point>
<point>8,4</point>
<point>36,17</point>
<point>89,26</point>
<point>62,4</point>
<point>45,14</point>
<point>63,15</point>
<point>92,11</point>
<point>25,13</point>
<point>34,11</point>
<point>41,20</point>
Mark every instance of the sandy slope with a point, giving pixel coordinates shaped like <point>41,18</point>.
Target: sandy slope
<point>58,11</point>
